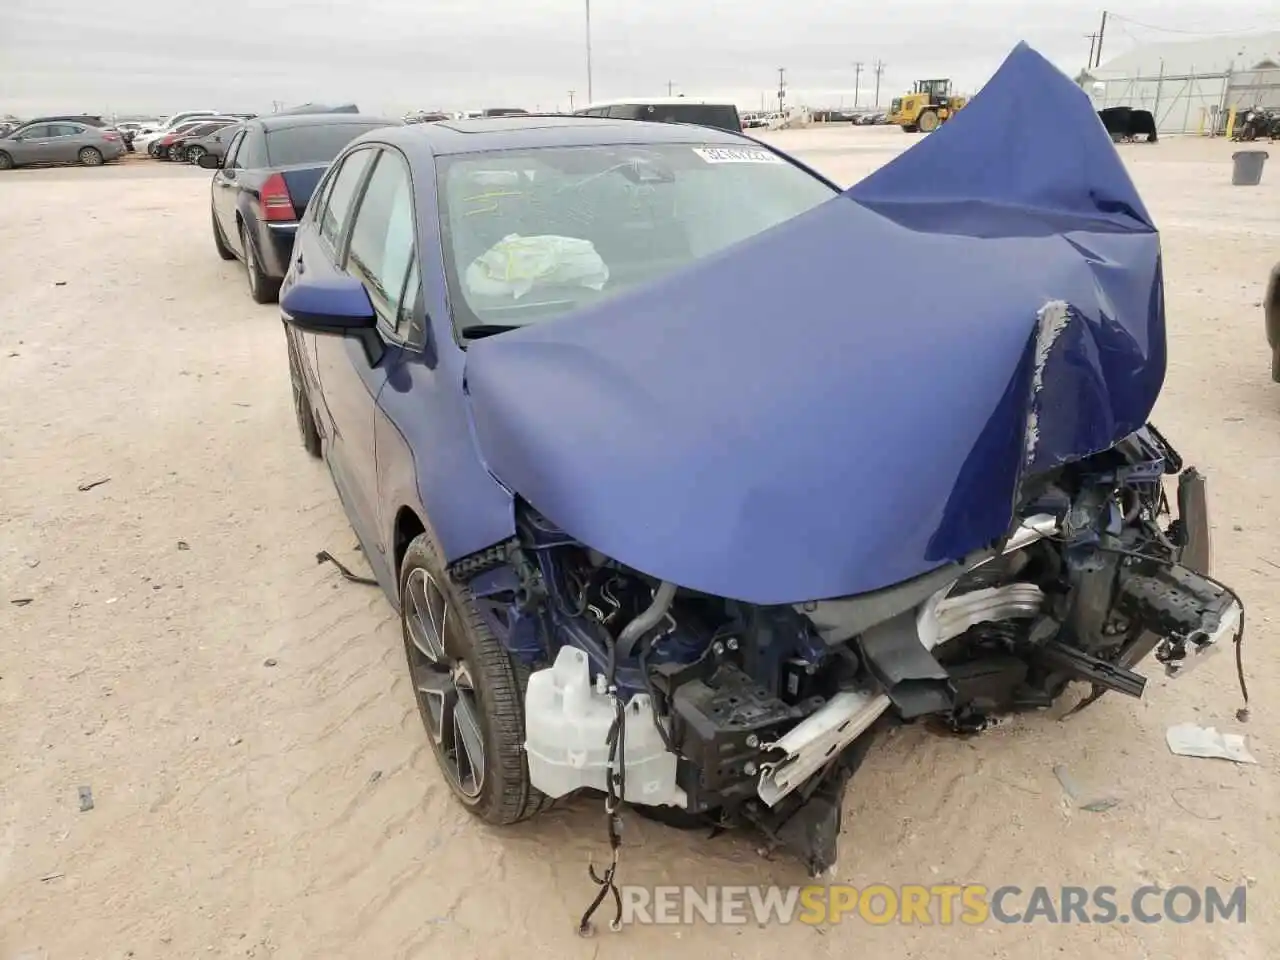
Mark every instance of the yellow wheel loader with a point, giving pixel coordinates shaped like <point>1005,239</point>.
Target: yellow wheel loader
<point>929,104</point>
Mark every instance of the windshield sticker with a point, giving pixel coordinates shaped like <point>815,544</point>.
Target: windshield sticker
<point>737,155</point>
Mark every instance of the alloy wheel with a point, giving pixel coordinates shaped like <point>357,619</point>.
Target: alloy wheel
<point>250,262</point>
<point>443,683</point>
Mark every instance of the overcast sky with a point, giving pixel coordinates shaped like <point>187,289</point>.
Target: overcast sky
<point>158,56</point>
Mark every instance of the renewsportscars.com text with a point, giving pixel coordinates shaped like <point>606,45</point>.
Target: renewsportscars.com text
<point>932,904</point>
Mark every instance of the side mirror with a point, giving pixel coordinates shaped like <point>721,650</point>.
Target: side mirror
<point>339,306</point>
<point>210,162</point>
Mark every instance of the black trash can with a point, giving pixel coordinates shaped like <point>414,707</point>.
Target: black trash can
<point>1248,167</point>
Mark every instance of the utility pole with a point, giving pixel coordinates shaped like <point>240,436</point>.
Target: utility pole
<point>670,84</point>
<point>1093,45</point>
<point>589,97</point>
<point>571,101</point>
<point>857,81</point>
<point>879,71</point>
<point>1102,32</point>
<point>782,87</point>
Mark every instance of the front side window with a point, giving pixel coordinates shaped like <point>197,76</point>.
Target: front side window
<point>232,161</point>
<point>337,208</point>
<point>533,234</point>
<point>381,251</point>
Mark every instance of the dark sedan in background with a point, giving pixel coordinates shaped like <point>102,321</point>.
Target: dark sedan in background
<point>263,183</point>
<point>214,144</point>
<point>177,149</point>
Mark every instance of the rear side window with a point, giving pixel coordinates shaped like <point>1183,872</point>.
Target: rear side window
<point>337,207</point>
<point>312,142</point>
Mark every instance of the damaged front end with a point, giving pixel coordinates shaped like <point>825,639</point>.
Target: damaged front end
<point>731,713</point>
<point>758,521</point>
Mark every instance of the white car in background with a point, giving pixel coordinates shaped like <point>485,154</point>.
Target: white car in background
<point>169,124</point>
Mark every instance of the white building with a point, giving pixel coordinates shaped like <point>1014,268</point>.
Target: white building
<point>1190,85</point>
<point>1186,57</point>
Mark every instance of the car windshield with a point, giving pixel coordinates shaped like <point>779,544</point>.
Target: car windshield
<point>533,234</point>
<point>312,142</point>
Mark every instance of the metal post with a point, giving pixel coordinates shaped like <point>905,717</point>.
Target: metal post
<point>1155,109</point>
<point>590,99</point>
<point>1186,115</point>
<point>857,82</point>
<point>879,71</point>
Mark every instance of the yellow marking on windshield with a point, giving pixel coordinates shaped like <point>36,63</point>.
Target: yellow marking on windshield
<point>493,196</point>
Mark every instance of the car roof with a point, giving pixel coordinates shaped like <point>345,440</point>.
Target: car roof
<point>446,137</point>
<point>290,120</point>
<point>658,101</point>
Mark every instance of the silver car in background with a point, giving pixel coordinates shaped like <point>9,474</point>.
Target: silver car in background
<point>61,142</point>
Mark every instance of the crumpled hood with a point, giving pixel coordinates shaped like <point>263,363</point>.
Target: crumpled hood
<point>852,398</point>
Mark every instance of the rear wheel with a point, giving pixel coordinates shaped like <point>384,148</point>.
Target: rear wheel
<point>218,243</point>
<point>470,692</point>
<point>262,288</point>
<point>195,153</point>
<point>6,161</point>
<point>90,157</point>
<point>928,121</point>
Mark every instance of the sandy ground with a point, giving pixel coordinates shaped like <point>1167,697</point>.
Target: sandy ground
<point>262,785</point>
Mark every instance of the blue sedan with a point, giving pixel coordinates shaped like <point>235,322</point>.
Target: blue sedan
<point>679,465</point>
<point>420,242</point>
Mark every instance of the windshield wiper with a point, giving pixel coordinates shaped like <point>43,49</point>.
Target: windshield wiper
<point>477,330</point>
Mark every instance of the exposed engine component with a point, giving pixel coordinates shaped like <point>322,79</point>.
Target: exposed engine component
<point>760,714</point>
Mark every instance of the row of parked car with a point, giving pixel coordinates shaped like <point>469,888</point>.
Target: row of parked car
<point>91,140</point>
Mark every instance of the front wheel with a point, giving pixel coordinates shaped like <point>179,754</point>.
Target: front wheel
<point>90,157</point>
<point>6,161</point>
<point>194,154</point>
<point>301,408</point>
<point>928,122</point>
<point>470,692</point>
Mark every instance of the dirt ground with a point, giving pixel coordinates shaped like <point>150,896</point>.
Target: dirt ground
<point>261,782</point>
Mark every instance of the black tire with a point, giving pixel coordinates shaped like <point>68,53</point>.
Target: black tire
<point>90,156</point>
<point>928,121</point>
<point>301,406</point>
<point>6,161</point>
<point>493,692</point>
<point>194,154</point>
<point>262,288</point>
<point>218,243</point>
<point>910,128</point>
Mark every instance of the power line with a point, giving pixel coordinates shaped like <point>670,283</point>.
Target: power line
<point>1194,33</point>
